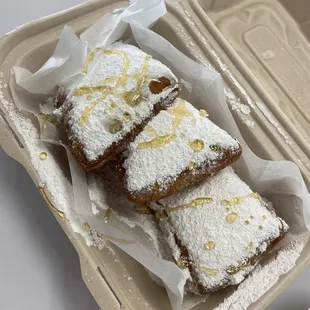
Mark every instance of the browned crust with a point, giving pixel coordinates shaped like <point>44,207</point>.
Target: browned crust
<point>187,178</point>
<point>195,286</point>
<point>77,148</point>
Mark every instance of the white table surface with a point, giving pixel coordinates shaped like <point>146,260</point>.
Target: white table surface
<point>39,268</point>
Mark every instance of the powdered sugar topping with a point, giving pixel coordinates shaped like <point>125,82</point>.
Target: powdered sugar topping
<point>173,141</point>
<point>222,223</point>
<point>113,97</point>
<point>263,278</point>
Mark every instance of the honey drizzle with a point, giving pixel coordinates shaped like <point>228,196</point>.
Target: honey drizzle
<point>108,214</point>
<point>47,118</point>
<point>194,203</point>
<point>86,226</point>
<point>86,112</point>
<point>86,90</point>
<point>178,112</point>
<point>89,59</point>
<point>50,205</point>
<point>131,97</point>
<point>208,270</point>
<point>149,129</point>
<point>232,217</point>
<point>231,270</point>
<point>237,200</point>
<point>181,264</point>
<point>159,141</point>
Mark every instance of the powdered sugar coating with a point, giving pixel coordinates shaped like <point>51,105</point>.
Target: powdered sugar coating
<point>147,166</point>
<point>234,239</point>
<point>94,134</point>
<point>263,278</point>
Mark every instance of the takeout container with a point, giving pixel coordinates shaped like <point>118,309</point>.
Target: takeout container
<point>262,54</point>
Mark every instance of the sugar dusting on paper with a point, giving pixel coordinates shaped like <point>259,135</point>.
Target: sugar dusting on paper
<point>48,170</point>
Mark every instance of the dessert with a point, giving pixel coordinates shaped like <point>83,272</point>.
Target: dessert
<point>218,230</point>
<point>178,148</point>
<point>120,90</point>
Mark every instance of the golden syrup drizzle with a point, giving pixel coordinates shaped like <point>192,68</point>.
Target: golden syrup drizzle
<point>86,226</point>
<point>50,205</point>
<point>196,202</point>
<point>86,112</point>
<point>47,118</point>
<point>43,155</point>
<point>126,117</point>
<point>110,79</point>
<point>133,97</point>
<point>181,264</point>
<point>88,90</point>
<point>112,107</point>
<point>122,80</point>
<point>197,145</point>
<point>192,165</point>
<point>210,245</point>
<point>157,142</point>
<point>237,200</point>
<point>232,218</point>
<point>107,214</point>
<point>89,59</point>
<point>130,97</point>
<point>178,112</point>
<point>150,130</point>
<point>121,241</point>
<point>233,269</point>
<point>115,126</point>
<point>208,270</point>
<point>200,201</point>
<point>250,246</point>
<point>143,209</point>
<point>254,195</point>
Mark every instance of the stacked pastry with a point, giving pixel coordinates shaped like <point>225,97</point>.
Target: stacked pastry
<point>125,110</point>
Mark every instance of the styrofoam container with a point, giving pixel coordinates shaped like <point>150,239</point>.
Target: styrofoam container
<point>261,49</point>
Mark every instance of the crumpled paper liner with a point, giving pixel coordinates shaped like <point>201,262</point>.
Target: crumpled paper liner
<point>279,181</point>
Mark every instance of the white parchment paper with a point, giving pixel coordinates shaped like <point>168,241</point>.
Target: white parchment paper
<point>280,182</point>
